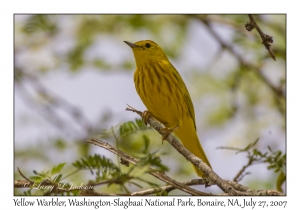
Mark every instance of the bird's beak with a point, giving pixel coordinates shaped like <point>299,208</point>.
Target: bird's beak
<point>132,45</point>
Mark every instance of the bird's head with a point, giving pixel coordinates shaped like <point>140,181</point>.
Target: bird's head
<point>146,50</point>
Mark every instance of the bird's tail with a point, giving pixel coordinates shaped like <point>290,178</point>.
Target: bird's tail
<point>188,136</point>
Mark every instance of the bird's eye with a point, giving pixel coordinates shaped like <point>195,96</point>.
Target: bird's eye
<point>148,45</point>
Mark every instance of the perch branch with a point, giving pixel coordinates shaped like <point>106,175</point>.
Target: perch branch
<point>229,187</point>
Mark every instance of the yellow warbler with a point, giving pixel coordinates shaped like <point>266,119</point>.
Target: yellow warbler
<point>165,95</point>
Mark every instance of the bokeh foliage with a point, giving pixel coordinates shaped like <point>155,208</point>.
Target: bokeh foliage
<point>227,88</point>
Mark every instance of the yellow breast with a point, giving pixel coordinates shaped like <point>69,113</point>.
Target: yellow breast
<point>159,91</point>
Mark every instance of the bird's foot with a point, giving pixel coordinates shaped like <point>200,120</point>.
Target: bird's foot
<point>166,132</point>
<point>145,116</point>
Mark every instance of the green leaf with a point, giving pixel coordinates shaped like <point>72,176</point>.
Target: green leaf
<point>57,169</point>
<point>27,192</point>
<point>130,127</point>
<point>146,144</point>
<point>280,180</point>
<point>251,145</point>
<point>39,23</point>
<point>104,165</point>
<point>153,160</point>
<point>270,149</point>
<point>164,193</point>
<point>57,179</point>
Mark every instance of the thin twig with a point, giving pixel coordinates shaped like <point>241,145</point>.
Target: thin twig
<point>278,92</point>
<point>74,172</point>
<point>168,188</point>
<point>162,176</point>
<point>22,175</point>
<point>93,193</point>
<point>22,184</point>
<point>266,39</point>
<point>240,174</point>
<point>238,186</point>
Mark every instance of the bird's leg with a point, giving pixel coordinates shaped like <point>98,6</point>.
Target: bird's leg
<point>145,116</point>
<point>166,132</point>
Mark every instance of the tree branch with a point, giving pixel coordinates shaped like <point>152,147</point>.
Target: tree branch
<point>232,188</point>
<point>174,184</point>
<point>278,92</point>
<point>161,176</point>
<point>266,39</point>
<point>22,175</point>
<point>229,187</point>
<point>168,188</point>
<point>240,175</point>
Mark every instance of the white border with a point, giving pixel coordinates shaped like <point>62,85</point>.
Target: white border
<point>32,6</point>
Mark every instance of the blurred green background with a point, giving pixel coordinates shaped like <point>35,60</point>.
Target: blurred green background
<point>74,77</point>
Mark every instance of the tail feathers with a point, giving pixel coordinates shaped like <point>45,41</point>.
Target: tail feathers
<point>188,136</point>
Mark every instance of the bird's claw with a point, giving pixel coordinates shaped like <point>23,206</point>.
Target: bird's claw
<point>145,116</point>
<point>166,132</point>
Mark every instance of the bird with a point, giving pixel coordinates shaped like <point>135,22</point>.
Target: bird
<point>165,95</point>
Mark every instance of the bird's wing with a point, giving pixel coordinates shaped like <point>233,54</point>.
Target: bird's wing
<point>184,91</point>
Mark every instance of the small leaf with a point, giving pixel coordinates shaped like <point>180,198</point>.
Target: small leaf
<point>57,168</point>
<point>57,179</point>
<point>147,143</point>
<point>280,180</point>
<point>270,149</point>
<point>164,193</point>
